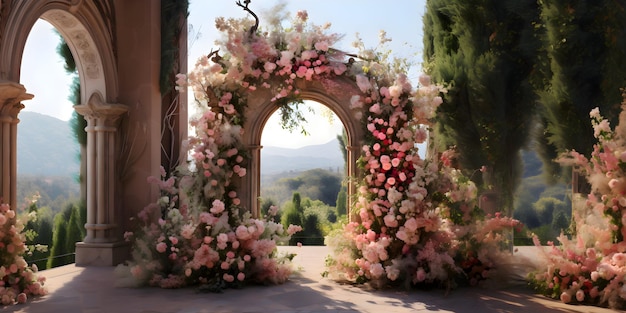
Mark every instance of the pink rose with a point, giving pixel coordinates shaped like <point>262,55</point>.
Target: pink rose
<point>161,247</point>
<point>228,278</point>
<point>420,276</point>
<point>566,297</point>
<point>21,298</point>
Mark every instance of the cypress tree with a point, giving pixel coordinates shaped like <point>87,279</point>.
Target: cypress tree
<point>481,49</point>
<point>585,47</point>
<point>59,243</point>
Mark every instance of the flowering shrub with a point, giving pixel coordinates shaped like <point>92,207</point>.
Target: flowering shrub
<point>215,248</point>
<point>18,281</point>
<point>418,221</point>
<point>591,267</point>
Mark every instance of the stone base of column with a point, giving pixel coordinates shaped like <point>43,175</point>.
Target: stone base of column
<point>102,254</point>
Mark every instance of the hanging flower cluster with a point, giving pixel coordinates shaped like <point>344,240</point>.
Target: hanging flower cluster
<point>591,267</point>
<point>18,281</point>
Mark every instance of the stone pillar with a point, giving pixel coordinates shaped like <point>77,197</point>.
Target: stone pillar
<point>354,152</point>
<point>103,244</point>
<point>11,96</point>
<point>252,188</point>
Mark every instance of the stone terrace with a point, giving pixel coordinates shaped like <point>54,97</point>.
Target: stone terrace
<point>92,290</point>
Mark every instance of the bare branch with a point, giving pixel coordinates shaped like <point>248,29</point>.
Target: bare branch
<point>256,18</point>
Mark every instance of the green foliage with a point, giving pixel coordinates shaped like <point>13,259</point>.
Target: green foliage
<point>480,47</point>
<point>343,143</point>
<point>315,217</point>
<point>560,221</point>
<point>585,49</point>
<point>52,192</point>
<point>318,184</point>
<point>59,243</point>
<point>311,233</point>
<point>297,202</point>
<point>173,16</point>
<point>38,235</point>
<point>342,201</point>
<point>67,231</point>
<point>547,208</point>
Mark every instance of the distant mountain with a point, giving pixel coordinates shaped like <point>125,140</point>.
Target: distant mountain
<point>325,156</point>
<point>46,146</point>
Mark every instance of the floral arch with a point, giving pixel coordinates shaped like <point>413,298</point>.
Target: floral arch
<point>335,93</point>
<point>413,221</point>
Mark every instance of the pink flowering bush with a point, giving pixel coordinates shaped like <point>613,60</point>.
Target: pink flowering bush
<point>590,267</point>
<point>417,223</point>
<point>18,281</point>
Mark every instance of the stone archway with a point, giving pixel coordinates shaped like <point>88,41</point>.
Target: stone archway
<point>88,30</point>
<point>334,93</point>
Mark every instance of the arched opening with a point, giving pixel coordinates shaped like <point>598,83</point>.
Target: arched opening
<point>335,95</point>
<point>303,171</point>
<point>87,30</point>
<point>48,149</point>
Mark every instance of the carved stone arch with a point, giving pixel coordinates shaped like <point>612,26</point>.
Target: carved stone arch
<point>88,27</point>
<point>334,93</point>
<point>85,26</point>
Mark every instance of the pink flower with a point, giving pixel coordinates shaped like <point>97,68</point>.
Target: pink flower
<point>420,275</point>
<point>269,67</point>
<point>242,232</point>
<point>580,295</point>
<point>566,297</point>
<point>161,247</point>
<point>292,229</point>
<point>225,265</point>
<point>321,45</point>
<point>228,278</point>
<point>241,276</point>
<point>218,207</point>
<point>363,83</point>
<point>22,298</point>
<point>390,220</point>
<point>377,270</point>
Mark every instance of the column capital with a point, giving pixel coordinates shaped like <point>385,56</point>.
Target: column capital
<point>97,109</point>
<point>11,96</point>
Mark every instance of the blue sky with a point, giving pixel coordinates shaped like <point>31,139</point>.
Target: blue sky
<point>43,74</point>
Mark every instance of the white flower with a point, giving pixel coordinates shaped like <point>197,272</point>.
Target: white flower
<point>363,82</point>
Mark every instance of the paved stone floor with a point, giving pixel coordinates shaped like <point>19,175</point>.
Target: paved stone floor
<point>92,290</point>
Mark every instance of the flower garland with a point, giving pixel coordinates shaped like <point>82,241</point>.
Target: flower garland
<point>18,281</point>
<point>590,268</point>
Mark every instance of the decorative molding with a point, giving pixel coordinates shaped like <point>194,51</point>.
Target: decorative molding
<point>11,96</point>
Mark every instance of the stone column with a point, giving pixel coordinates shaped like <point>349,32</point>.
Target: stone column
<point>11,96</point>
<point>252,189</point>
<point>354,152</point>
<point>103,244</point>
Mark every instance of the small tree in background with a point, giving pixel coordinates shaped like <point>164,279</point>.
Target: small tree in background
<point>67,231</point>
<point>38,233</point>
